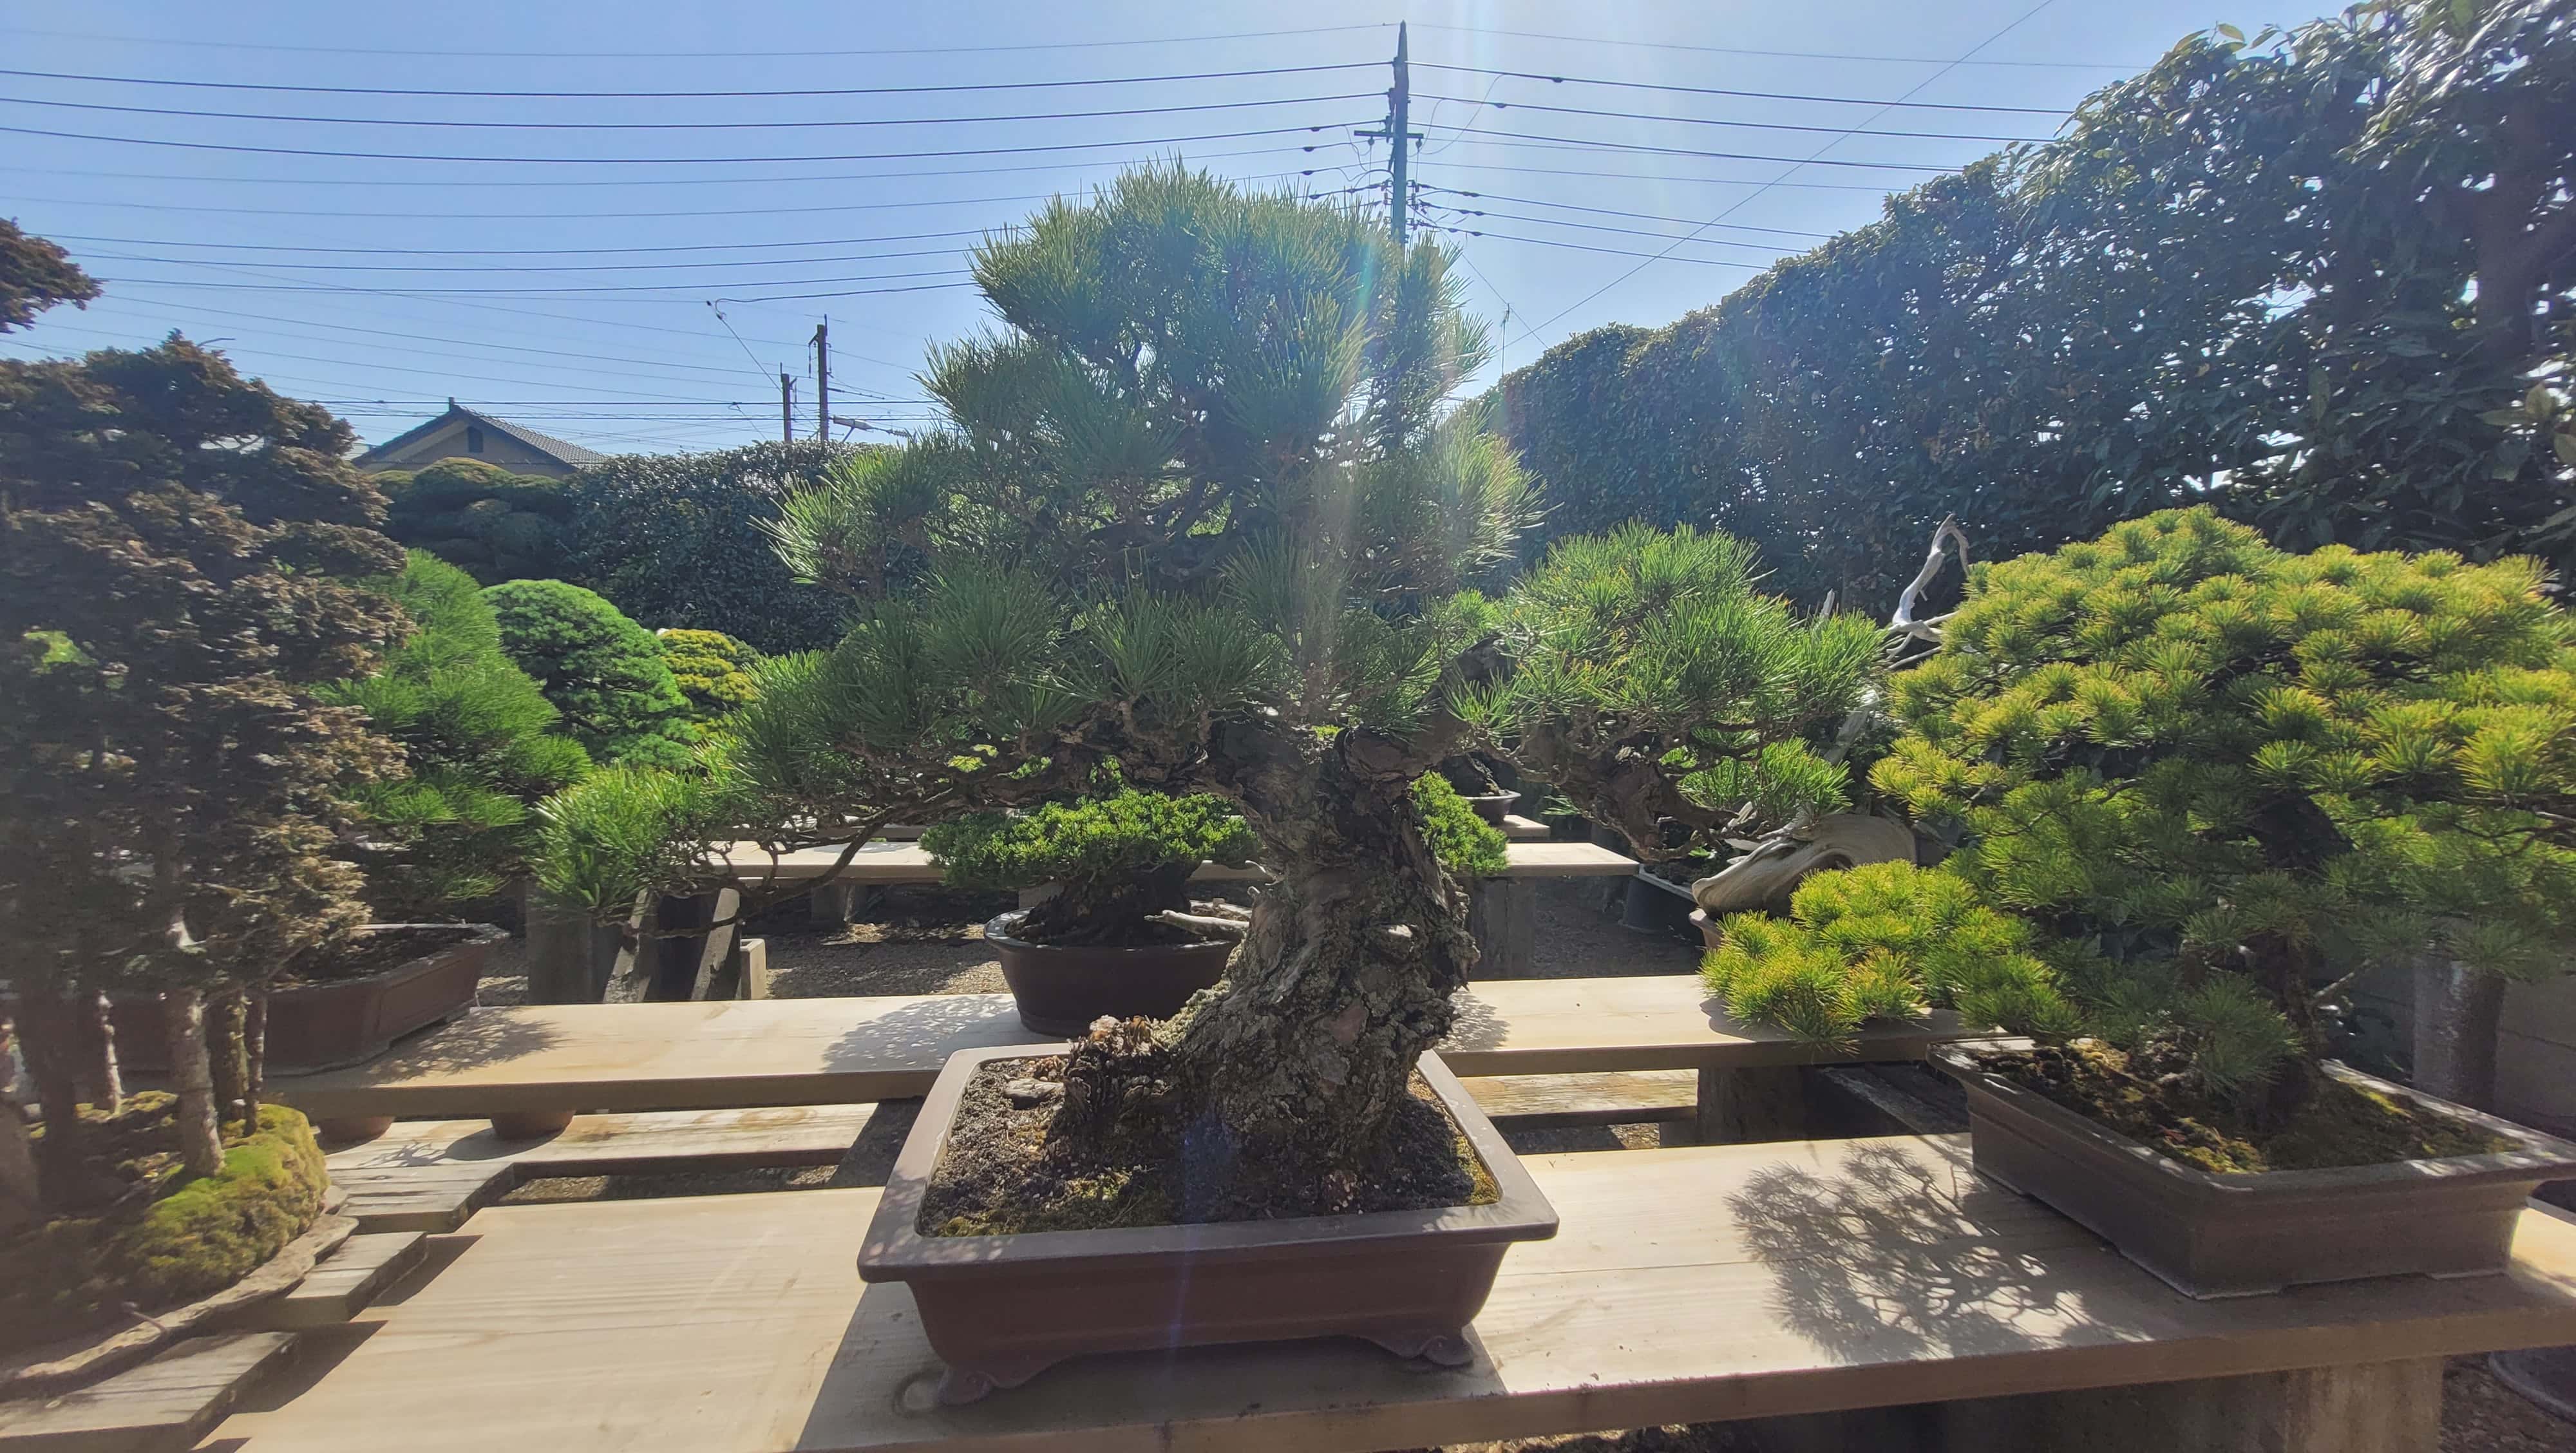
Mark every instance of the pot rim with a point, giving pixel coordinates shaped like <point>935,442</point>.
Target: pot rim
<point>1022,945</point>
<point>896,1250</point>
<point>2538,1152</point>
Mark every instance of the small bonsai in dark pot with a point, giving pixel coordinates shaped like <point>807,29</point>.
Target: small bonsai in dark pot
<point>2210,781</point>
<point>1119,936</point>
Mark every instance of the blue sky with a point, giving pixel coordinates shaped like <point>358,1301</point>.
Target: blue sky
<point>552,257</point>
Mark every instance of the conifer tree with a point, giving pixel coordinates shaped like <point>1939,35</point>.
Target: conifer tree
<point>1199,513</point>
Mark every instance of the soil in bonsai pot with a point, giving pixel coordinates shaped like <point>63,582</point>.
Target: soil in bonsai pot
<point>381,949</point>
<point>157,1238</point>
<point>2145,1097</point>
<point>1002,1172</point>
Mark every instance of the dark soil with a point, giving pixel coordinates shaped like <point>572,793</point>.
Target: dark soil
<point>2145,1098</point>
<point>1002,1171</point>
<point>389,948</point>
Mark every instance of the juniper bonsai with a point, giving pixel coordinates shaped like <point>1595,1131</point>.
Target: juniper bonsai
<point>2223,777</point>
<point>603,672</point>
<point>1118,862</point>
<point>1199,513</point>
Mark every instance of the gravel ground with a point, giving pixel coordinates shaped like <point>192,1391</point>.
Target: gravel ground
<point>932,942</point>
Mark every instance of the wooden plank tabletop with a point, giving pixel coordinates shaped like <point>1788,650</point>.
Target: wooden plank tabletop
<point>895,862</point>
<point>1686,1285</point>
<point>777,1052</point>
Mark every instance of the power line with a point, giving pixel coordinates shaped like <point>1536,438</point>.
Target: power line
<point>1554,78</point>
<point>556,288</point>
<point>1806,55</point>
<point>698,55</point>
<point>1577,143</point>
<point>663,288</point>
<point>656,160</point>
<point>1586,247</point>
<point>417,267</point>
<point>1740,203</point>
<point>1749,125</point>
<point>1765,249</point>
<point>1617,212</point>
<point>537,251</point>
<point>471,125</point>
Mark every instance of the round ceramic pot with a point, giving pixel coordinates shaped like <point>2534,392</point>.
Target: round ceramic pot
<point>1709,932</point>
<point>1061,988</point>
<point>1494,807</point>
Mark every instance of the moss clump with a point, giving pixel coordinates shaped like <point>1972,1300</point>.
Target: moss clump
<point>170,1239</point>
<point>2142,1097</point>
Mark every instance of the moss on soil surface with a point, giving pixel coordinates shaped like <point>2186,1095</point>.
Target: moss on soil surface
<point>171,1238</point>
<point>2335,1124</point>
<point>1000,1175</point>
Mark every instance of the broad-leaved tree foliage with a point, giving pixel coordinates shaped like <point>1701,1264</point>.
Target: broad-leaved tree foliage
<point>176,544</point>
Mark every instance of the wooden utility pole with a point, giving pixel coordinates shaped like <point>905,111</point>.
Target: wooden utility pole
<point>823,380</point>
<point>1399,132</point>
<point>786,408</point>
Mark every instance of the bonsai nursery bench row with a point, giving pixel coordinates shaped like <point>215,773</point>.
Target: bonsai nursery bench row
<point>530,1068</point>
<point>1870,1293</point>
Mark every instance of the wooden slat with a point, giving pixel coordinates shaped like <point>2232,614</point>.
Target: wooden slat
<point>435,1197</point>
<point>723,1055</point>
<point>627,1144</point>
<point>165,1403</point>
<point>890,863</point>
<point>342,1286</point>
<point>1631,1097</point>
<point>1685,1285</point>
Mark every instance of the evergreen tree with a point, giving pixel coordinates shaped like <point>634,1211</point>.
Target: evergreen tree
<point>476,733</point>
<point>1199,513</point>
<point>712,670</point>
<point>603,672</point>
<point>174,546</point>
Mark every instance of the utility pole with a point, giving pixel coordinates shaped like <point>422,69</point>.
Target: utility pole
<point>823,380</point>
<point>1399,131</point>
<point>786,408</point>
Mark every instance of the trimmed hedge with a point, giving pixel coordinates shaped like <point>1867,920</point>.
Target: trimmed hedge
<point>491,523</point>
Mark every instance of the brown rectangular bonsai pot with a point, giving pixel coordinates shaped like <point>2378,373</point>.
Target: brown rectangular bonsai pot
<point>1001,1309</point>
<point>2213,1235</point>
<point>327,1025</point>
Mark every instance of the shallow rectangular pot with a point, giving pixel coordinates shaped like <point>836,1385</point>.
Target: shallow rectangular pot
<point>1001,1309</point>
<point>2213,1235</point>
<point>324,1026</point>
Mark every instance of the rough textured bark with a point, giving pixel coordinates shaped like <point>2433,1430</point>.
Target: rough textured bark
<point>2457,1013</point>
<point>100,1079</point>
<point>49,1036</point>
<point>1110,912</point>
<point>254,1059</point>
<point>201,1146</point>
<point>1346,973</point>
<point>226,1020</point>
<point>21,1192</point>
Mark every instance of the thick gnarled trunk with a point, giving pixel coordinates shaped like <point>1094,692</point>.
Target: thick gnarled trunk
<point>201,1145</point>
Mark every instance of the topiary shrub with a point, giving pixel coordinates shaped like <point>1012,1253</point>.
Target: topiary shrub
<point>1116,861</point>
<point>1886,941</point>
<point>603,672</point>
<point>2228,775</point>
<point>478,734</point>
<point>714,672</point>
<point>491,523</point>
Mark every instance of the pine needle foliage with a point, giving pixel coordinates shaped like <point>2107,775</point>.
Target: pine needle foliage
<point>1116,860</point>
<point>2219,768</point>
<point>1663,692</point>
<point>478,737</point>
<point>1885,941</point>
<point>602,671</point>
<point>1465,844</point>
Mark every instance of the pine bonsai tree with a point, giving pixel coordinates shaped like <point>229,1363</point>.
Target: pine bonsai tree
<point>175,543</point>
<point>712,670</point>
<point>603,672</point>
<point>477,735</point>
<point>2227,776</point>
<point>1117,861</point>
<point>1198,514</point>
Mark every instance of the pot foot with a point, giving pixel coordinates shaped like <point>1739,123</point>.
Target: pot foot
<point>530,1124</point>
<point>964,1385</point>
<point>350,1130</point>
<point>1445,1349</point>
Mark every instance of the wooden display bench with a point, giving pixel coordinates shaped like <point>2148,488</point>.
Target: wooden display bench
<point>1856,1294</point>
<point>531,1068</point>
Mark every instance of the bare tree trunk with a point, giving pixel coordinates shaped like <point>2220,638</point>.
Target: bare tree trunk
<point>255,1058</point>
<point>100,1077</point>
<point>21,1193</point>
<point>201,1145</point>
<point>226,1021</point>
<point>49,1036</point>
<point>2458,1011</point>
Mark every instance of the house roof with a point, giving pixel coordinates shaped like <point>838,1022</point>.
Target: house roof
<point>571,455</point>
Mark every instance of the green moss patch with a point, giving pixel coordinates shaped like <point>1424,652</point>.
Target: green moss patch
<point>2333,1124</point>
<point>170,1238</point>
